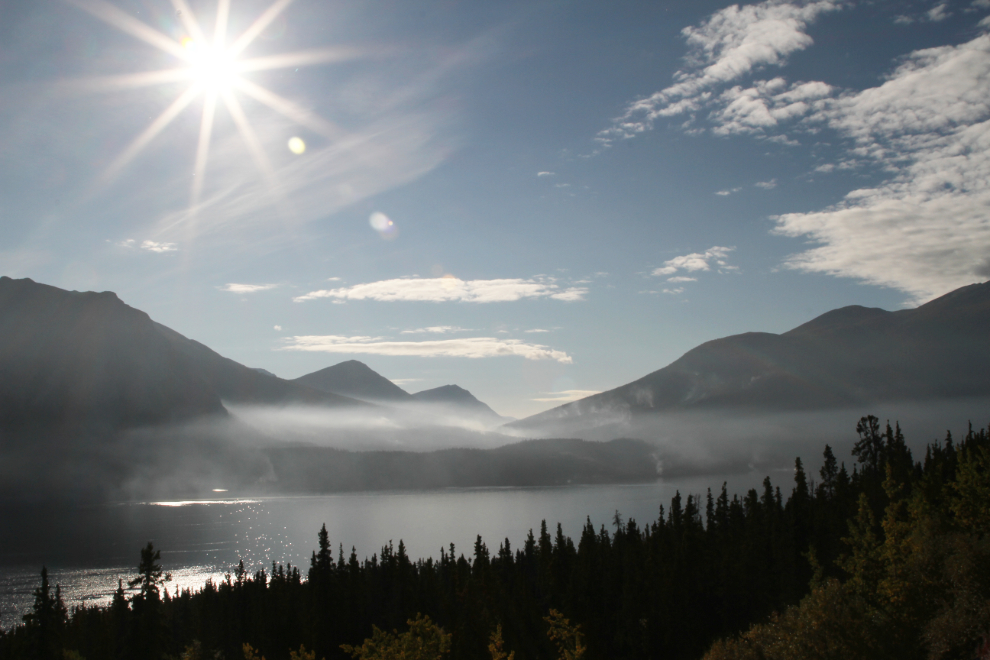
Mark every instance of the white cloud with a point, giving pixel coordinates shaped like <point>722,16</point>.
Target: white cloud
<point>405,381</point>
<point>675,291</point>
<point>126,243</point>
<point>434,329</point>
<point>725,193</point>
<point>926,230</point>
<point>766,185</point>
<point>938,12</point>
<point>731,43</point>
<point>246,288</point>
<point>981,4</point>
<point>472,347</point>
<point>153,246</point>
<point>536,330</point>
<point>697,261</point>
<point>681,278</point>
<point>450,289</point>
<point>566,396</point>
<point>278,327</point>
<point>546,173</point>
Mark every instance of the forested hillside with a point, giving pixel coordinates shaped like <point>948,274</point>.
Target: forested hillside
<point>890,560</point>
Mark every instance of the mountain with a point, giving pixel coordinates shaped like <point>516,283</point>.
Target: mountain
<point>457,398</point>
<point>71,357</point>
<point>357,380</point>
<point>853,356</point>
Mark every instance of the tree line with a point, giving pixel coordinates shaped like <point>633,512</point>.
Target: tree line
<point>891,560</point>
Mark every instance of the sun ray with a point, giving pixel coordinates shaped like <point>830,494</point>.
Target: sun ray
<point>203,148</point>
<point>132,26</point>
<point>249,137</point>
<point>189,20</point>
<point>156,127</point>
<point>125,81</point>
<point>220,29</point>
<point>301,58</point>
<point>289,109</point>
<point>258,26</point>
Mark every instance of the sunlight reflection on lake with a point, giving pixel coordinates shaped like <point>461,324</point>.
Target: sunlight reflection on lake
<point>86,549</point>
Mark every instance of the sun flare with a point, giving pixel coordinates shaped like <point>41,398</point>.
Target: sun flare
<point>215,70</point>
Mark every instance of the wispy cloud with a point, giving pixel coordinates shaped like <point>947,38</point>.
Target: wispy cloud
<point>471,347</point>
<point>766,185</point>
<point>536,330</point>
<point>150,246</point>
<point>154,246</point>
<point>566,396</point>
<point>727,192</point>
<point>435,329</point>
<point>730,44</point>
<point>246,288</point>
<point>451,289</point>
<point>681,278</point>
<point>541,174</point>
<point>714,256</point>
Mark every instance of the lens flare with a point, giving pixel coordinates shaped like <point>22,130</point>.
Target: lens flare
<point>297,146</point>
<point>382,224</point>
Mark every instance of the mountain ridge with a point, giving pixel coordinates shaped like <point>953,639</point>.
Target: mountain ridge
<point>851,356</point>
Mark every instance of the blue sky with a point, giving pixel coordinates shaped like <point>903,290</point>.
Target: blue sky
<point>533,200</point>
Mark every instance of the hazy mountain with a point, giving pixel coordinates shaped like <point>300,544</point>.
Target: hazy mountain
<point>848,357</point>
<point>355,379</point>
<point>457,398</point>
<point>265,372</point>
<point>67,356</point>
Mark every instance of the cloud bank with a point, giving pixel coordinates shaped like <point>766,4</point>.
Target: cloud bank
<point>450,289</point>
<point>469,347</point>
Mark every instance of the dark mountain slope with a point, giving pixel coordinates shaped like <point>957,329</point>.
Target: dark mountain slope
<point>354,379</point>
<point>849,356</point>
<point>71,357</point>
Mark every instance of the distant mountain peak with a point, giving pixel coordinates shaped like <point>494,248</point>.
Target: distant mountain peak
<point>354,379</point>
<point>454,395</point>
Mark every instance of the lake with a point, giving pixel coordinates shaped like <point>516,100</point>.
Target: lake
<point>87,549</point>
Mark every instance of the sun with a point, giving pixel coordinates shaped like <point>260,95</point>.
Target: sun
<point>210,66</point>
<point>216,71</point>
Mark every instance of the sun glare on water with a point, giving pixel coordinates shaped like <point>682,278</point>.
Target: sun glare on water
<point>218,72</point>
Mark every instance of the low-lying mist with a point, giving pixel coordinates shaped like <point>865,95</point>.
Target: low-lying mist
<point>732,442</point>
<point>416,427</point>
<point>272,450</point>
